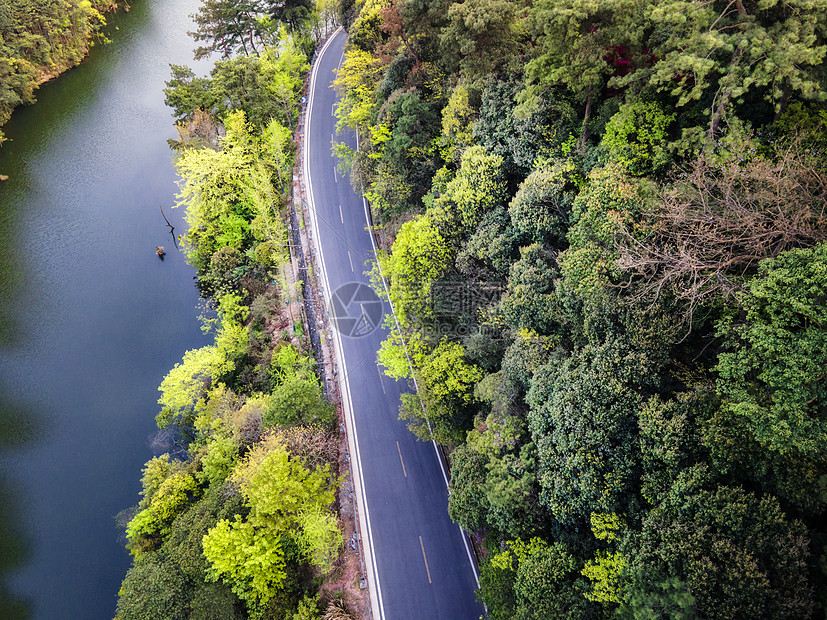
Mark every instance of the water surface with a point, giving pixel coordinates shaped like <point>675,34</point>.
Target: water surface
<point>91,319</point>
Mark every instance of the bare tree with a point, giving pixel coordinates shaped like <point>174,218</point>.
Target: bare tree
<point>717,220</point>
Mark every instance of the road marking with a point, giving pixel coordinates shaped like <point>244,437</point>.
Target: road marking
<point>350,258</point>
<point>382,383</point>
<point>335,175</point>
<point>403,468</point>
<point>427,570</point>
<point>341,217</point>
<point>471,559</point>
<point>375,593</point>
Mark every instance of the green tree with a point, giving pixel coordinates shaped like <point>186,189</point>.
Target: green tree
<point>443,407</point>
<point>153,589</point>
<point>457,124</point>
<point>299,400</point>
<point>530,301</point>
<point>607,206</point>
<point>583,419</point>
<point>152,523</point>
<point>574,40</point>
<point>480,36</point>
<point>419,257</point>
<point>476,189</point>
<point>636,137</point>
<point>723,52</point>
<point>772,374</point>
<point>533,580</point>
<point>541,207</point>
<point>467,503</point>
<point>287,502</point>
<point>738,554</point>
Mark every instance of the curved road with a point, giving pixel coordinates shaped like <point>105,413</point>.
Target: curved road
<point>419,562</point>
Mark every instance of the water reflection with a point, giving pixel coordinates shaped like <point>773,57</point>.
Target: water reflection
<point>90,319</point>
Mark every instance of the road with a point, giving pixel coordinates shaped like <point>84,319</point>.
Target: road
<point>418,561</point>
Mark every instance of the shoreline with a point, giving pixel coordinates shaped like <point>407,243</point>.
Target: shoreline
<point>47,73</point>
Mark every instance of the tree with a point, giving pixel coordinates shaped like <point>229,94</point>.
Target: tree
<point>185,384</point>
<point>476,189</point>
<point>226,26</point>
<point>670,439</point>
<point>723,52</point>
<point>608,205</point>
<point>523,137</point>
<point>530,302</point>
<point>457,124</point>
<point>713,225</point>
<point>299,400</point>
<point>490,250</point>
<point>152,523</point>
<point>636,137</point>
<point>153,589</point>
<point>445,390</point>
<point>531,580</point>
<point>287,502</point>
<point>481,35</point>
<point>541,207</point>
<point>467,501</point>
<point>737,553</point>
<point>583,420</point>
<point>773,373</point>
<point>420,256</point>
<point>548,585</point>
<point>291,13</point>
<point>576,43</point>
<point>225,191</point>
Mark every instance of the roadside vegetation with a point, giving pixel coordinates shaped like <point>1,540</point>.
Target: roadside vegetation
<point>238,518</point>
<point>606,244</point>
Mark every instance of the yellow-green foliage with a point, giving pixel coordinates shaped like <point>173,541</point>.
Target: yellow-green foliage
<point>604,573</point>
<point>234,196</point>
<point>286,500</point>
<point>357,78</point>
<point>167,502</point>
<point>457,124</point>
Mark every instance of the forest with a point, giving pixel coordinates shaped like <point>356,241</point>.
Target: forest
<point>40,39</point>
<point>238,519</point>
<point>605,242</point>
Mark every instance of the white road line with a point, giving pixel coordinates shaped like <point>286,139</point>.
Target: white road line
<point>335,175</point>
<point>381,382</point>
<point>377,606</point>
<point>341,217</point>
<point>350,258</point>
<point>405,473</point>
<point>471,560</point>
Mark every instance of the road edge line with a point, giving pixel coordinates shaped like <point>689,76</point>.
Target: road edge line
<point>374,588</point>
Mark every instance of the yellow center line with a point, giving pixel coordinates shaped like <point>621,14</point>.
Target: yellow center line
<point>403,462</point>
<point>427,570</point>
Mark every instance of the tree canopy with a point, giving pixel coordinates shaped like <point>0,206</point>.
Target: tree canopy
<point>603,230</point>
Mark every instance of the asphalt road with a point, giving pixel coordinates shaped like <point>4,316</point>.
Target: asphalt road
<point>419,563</point>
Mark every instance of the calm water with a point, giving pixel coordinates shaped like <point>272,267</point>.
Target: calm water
<point>91,320</point>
